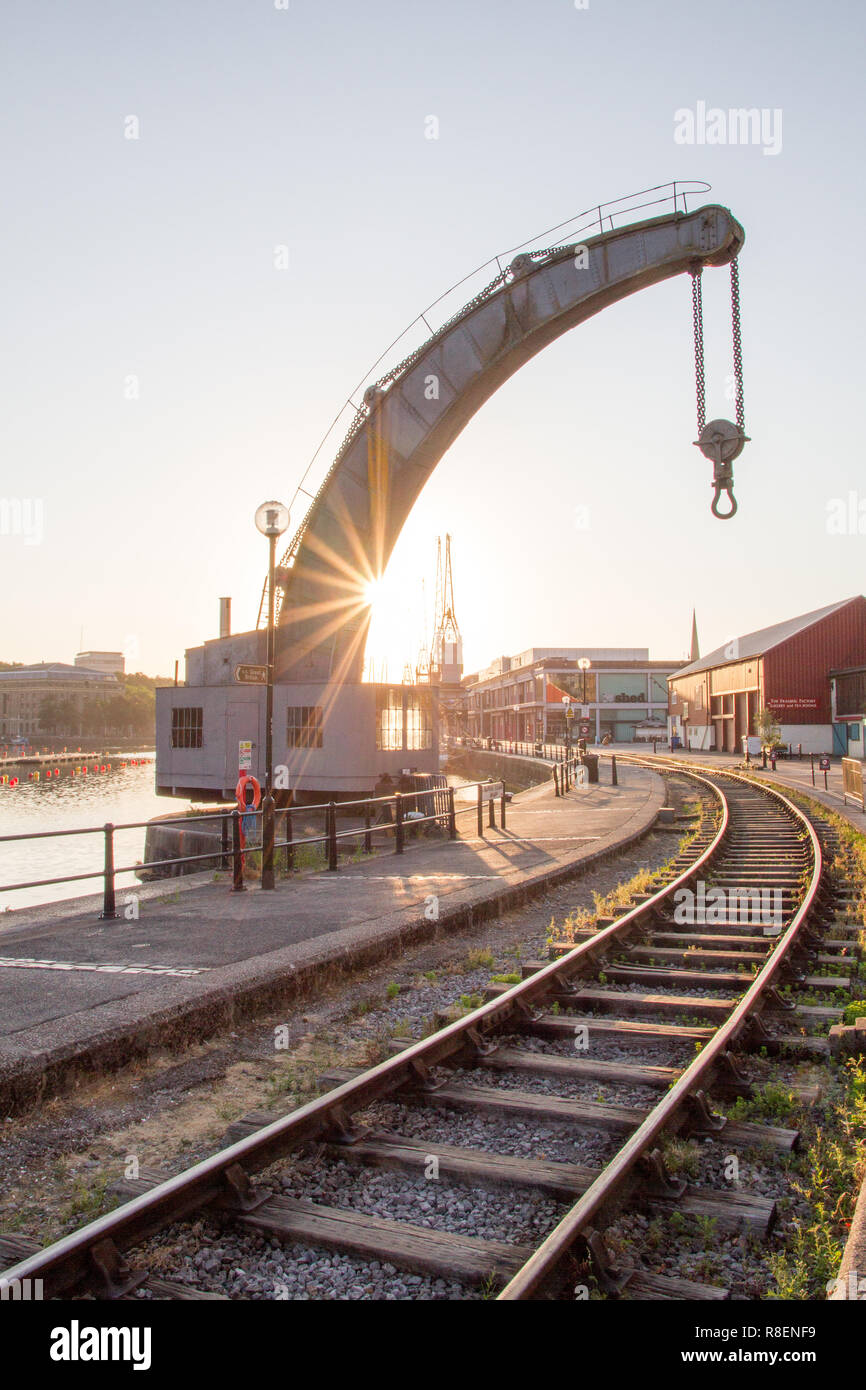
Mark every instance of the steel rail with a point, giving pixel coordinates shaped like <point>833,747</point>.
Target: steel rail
<point>69,1261</point>
<point>541,1269</point>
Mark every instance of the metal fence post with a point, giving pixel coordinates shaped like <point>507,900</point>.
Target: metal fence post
<point>502,808</point>
<point>238,885</point>
<point>268,836</point>
<point>398,823</point>
<point>332,836</point>
<point>555,781</point>
<point>368,842</point>
<point>290,848</point>
<point>452,817</point>
<point>491,810</point>
<point>480,811</point>
<point>224,841</point>
<point>109,907</point>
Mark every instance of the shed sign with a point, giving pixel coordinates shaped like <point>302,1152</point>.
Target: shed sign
<point>245,754</point>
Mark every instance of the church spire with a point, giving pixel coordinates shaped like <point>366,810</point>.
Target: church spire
<point>695,652</point>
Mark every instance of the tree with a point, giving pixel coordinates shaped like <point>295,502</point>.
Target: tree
<point>767,728</point>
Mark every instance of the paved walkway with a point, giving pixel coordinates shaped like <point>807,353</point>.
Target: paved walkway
<point>75,990</point>
<point>790,772</point>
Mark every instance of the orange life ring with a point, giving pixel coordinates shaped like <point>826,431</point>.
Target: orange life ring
<point>243,782</point>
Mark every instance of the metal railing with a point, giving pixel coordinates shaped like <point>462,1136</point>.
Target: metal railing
<point>398,812</point>
<point>403,817</point>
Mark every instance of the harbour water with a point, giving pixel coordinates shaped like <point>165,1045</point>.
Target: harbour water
<point>66,803</point>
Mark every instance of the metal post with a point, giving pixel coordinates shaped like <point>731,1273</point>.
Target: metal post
<point>269,698</point>
<point>268,835</point>
<point>555,781</point>
<point>502,808</point>
<point>452,817</point>
<point>398,823</point>
<point>109,907</point>
<point>491,810</point>
<point>480,812</point>
<point>812,764</point>
<point>799,752</point>
<point>224,841</point>
<point>613,777</point>
<point>238,885</point>
<point>825,779</point>
<point>368,843</point>
<point>290,848</point>
<point>332,836</point>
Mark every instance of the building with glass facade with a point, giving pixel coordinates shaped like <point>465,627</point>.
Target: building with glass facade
<point>620,693</point>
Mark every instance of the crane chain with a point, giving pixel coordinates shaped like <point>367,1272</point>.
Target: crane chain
<point>738,350</point>
<point>698,316</point>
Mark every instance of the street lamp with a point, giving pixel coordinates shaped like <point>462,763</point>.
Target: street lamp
<point>583,666</point>
<point>539,676</point>
<point>272,519</point>
<point>569,715</point>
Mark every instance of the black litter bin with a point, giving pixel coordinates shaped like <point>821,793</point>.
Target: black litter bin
<point>590,762</point>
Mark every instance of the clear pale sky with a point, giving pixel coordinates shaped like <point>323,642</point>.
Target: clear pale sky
<point>261,127</point>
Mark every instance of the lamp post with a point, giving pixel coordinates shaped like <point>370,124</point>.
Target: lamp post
<point>272,519</point>
<point>539,676</point>
<point>569,715</point>
<point>583,666</point>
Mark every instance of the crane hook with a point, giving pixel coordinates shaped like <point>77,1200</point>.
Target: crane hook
<point>722,441</point>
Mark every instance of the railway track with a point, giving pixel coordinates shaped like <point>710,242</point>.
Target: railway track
<point>653,1005</point>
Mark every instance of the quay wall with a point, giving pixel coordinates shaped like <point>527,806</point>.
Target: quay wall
<point>517,773</point>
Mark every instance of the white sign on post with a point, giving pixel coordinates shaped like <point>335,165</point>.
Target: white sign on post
<point>245,754</point>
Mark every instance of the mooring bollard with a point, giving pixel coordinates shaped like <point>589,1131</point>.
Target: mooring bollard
<point>368,842</point>
<point>613,777</point>
<point>290,848</point>
<point>480,811</point>
<point>238,885</point>
<point>502,808</point>
<point>398,823</point>
<point>268,836</point>
<point>452,816</point>
<point>109,907</point>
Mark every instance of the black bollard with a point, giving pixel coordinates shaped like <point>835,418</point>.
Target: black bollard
<point>238,885</point>
<point>613,779</point>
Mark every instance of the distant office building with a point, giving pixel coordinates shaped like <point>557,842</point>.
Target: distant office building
<point>524,697</point>
<point>110,662</point>
<point>808,671</point>
<point>28,692</point>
